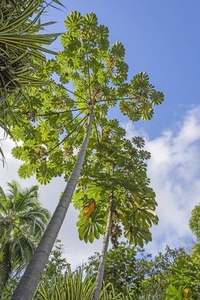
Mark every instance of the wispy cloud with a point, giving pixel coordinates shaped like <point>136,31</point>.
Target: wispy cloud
<point>174,171</point>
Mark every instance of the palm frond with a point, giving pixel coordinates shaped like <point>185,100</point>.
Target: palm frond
<point>19,39</point>
<point>2,199</point>
<point>22,222</point>
<point>21,49</point>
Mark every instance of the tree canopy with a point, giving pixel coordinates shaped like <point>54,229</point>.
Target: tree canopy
<point>56,123</point>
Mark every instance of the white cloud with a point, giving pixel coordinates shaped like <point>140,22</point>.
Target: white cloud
<point>174,171</point>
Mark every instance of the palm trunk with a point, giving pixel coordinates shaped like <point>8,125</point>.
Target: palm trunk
<point>99,279</point>
<point>6,269</point>
<point>29,282</point>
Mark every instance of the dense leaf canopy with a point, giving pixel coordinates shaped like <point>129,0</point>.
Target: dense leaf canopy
<point>116,169</point>
<point>90,72</point>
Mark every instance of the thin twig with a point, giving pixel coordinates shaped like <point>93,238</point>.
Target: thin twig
<point>61,112</point>
<point>77,95</point>
<point>89,78</point>
<point>77,133</point>
<point>118,99</point>
<point>96,128</point>
<point>67,135</point>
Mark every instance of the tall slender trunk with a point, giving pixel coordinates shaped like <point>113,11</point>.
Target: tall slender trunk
<point>99,279</point>
<point>28,284</point>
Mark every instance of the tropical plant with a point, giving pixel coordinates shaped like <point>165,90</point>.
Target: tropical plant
<point>74,288</point>
<point>71,285</point>
<point>55,265</point>
<point>136,274</point>
<point>120,267</point>
<point>194,224</point>
<point>153,273</point>
<point>22,222</point>
<point>97,74</point>
<point>75,285</point>
<point>59,282</point>
<point>115,190</point>
<point>185,280</point>
<point>20,44</point>
<point>21,50</point>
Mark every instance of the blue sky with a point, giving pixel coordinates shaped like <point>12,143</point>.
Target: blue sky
<point>161,38</point>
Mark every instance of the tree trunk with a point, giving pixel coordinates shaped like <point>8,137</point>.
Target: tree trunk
<point>29,282</point>
<point>5,266</point>
<point>99,279</point>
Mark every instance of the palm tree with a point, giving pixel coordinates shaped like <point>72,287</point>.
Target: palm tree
<point>22,222</point>
<point>21,45</point>
<point>21,50</point>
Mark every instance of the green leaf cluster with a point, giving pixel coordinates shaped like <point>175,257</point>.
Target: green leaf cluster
<point>70,285</point>
<point>138,275</point>
<point>75,285</point>
<point>119,268</point>
<point>92,228</point>
<point>20,44</point>
<point>21,53</point>
<point>185,280</point>
<point>52,129</point>
<point>117,168</point>
<point>142,97</point>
